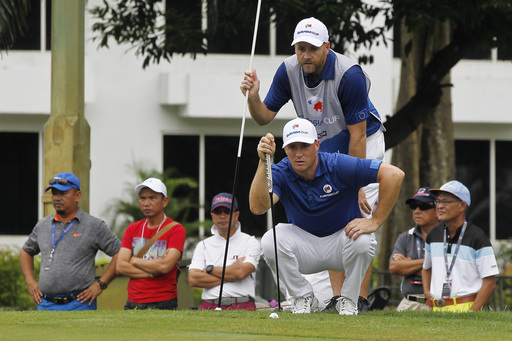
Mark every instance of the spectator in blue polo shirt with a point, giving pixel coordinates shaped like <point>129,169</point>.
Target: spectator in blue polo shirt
<point>326,230</point>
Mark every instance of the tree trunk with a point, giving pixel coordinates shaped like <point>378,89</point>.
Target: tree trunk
<point>427,155</point>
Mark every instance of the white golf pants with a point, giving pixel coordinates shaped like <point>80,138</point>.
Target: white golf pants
<point>300,252</point>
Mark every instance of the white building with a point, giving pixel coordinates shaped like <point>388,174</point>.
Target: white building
<point>188,114</point>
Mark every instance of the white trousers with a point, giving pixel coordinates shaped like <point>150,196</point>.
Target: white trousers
<point>300,252</point>
<point>374,150</point>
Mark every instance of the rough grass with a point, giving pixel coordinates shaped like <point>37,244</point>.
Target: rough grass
<point>246,325</point>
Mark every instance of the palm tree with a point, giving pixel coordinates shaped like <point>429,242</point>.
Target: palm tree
<point>12,21</point>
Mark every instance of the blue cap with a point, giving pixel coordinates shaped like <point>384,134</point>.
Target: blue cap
<point>64,182</point>
<point>455,188</point>
<point>423,195</point>
<point>223,200</point>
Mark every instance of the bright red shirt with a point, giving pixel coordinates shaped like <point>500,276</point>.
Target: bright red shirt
<point>161,288</point>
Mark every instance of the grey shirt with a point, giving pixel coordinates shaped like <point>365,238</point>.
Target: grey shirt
<point>410,244</point>
<point>72,269</point>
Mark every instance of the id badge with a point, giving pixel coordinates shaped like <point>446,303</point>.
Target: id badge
<point>445,294</point>
<point>48,264</point>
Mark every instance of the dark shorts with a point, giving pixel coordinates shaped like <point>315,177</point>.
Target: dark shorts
<point>162,305</point>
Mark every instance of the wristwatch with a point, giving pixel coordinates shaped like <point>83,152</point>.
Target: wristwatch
<point>102,284</point>
<point>209,269</point>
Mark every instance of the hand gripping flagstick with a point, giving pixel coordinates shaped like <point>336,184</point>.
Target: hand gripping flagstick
<point>235,180</point>
<point>271,194</point>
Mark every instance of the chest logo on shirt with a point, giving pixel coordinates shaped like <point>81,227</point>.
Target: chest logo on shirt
<point>328,190</point>
<point>315,106</point>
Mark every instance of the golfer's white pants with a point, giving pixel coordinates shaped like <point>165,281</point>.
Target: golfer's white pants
<point>374,150</point>
<point>300,252</point>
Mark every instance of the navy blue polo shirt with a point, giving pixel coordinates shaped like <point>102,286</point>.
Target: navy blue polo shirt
<point>329,202</point>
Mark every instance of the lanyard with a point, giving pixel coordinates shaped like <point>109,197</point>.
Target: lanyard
<point>54,243</point>
<point>445,246</point>
<point>145,223</point>
<point>418,248</point>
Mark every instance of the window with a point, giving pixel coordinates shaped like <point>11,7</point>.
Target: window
<point>220,160</point>
<point>472,164</point>
<point>19,172</point>
<point>503,190</point>
<point>474,161</point>
<point>38,35</point>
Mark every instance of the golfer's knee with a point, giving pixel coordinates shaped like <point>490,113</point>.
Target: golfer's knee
<point>267,245</point>
<point>364,244</point>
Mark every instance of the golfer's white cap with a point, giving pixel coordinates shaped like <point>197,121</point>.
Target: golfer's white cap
<point>299,130</point>
<point>311,31</point>
<point>154,184</point>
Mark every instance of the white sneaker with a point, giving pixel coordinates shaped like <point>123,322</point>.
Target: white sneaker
<point>346,306</point>
<point>305,305</point>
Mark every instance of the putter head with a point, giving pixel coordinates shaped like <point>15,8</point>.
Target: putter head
<point>278,309</point>
<point>218,309</point>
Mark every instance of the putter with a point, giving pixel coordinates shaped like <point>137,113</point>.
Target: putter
<point>271,194</point>
<point>235,180</point>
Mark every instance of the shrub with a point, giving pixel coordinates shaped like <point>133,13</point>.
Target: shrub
<point>13,289</point>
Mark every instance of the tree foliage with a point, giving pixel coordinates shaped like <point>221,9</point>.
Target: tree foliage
<point>156,33</point>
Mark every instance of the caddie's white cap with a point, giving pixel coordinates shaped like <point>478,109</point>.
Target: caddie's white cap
<point>299,130</point>
<point>154,184</point>
<point>311,31</point>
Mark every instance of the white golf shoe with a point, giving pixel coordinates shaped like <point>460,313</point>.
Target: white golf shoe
<point>305,304</point>
<point>346,306</point>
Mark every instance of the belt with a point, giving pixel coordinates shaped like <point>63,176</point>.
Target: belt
<point>416,298</point>
<point>231,300</point>
<point>450,301</point>
<point>61,299</point>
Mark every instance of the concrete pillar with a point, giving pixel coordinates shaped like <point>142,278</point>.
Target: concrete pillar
<point>67,133</point>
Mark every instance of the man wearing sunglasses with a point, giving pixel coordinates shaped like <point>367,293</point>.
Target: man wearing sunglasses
<point>460,266</point>
<point>407,257</point>
<point>68,241</point>
<point>205,270</point>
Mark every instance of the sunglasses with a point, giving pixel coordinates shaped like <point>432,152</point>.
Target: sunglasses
<point>421,206</point>
<point>219,211</point>
<point>61,181</point>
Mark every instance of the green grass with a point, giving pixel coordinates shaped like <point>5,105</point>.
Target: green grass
<point>246,325</point>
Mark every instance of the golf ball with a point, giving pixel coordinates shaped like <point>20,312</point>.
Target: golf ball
<point>274,316</point>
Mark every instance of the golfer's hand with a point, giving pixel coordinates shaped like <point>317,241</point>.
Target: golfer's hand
<point>251,83</point>
<point>360,226</point>
<point>266,146</point>
<point>35,292</point>
<point>90,293</point>
<point>363,203</point>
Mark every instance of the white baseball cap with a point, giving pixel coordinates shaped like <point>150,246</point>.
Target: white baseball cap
<point>311,31</point>
<point>299,130</point>
<point>154,184</point>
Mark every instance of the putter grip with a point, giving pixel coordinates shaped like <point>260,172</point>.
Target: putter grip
<point>269,173</point>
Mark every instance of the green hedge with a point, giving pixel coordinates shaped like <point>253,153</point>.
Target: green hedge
<point>14,293</point>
